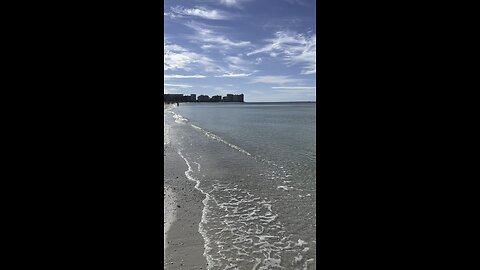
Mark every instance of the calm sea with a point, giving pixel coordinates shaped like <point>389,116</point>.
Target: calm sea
<point>255,163</point>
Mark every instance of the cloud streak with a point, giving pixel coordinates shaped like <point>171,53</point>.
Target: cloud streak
<point>294,87</point>
<point>231,75</point>
<point>168,77</point>
<point>294,49</point>
<point>177,85</point>
<point>275,80</point>
<point>211,39</point>
<point>231,3</point>
<point>200,12</point>
<point>178,58</point>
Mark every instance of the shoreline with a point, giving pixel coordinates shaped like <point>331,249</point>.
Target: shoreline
<point>251,204</point>
<point>183,206</point>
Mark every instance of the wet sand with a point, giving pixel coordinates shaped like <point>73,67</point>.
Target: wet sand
<point>168,213</point>
<point>183,244</point>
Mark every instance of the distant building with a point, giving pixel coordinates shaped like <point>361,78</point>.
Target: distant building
<point>228,98</point>
<point>238,98</point>
<point>216,99</point>
<point>233,98</point>
<point>172,97</point>
<point>203,98</point>
<point>169,98</point>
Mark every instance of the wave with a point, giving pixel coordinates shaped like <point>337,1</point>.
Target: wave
<point>182,120</point>
<point>242,230</point>
<point>179,119</point>
<point>207,248</point>
<point>241,227</point>
<point>220,139</point>
<point>280,173</point>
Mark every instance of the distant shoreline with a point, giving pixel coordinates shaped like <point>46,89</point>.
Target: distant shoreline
<point>245,102</point>
<point>280,102</point>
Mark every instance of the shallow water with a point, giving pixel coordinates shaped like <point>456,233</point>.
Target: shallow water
<point>255,163</point>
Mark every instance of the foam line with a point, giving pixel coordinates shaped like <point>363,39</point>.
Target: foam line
<point>204,211</point>
<point>218,138</point>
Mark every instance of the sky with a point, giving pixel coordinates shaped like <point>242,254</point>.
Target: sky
<point>264,49</point>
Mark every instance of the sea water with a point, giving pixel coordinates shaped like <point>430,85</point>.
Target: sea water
<point>256,165</point>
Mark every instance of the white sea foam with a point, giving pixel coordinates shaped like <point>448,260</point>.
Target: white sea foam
<point>166,135</point>
<point>205,211</point>
<point>301,243</point>
<point>179,119</point>
<point>305,265</point>
<point>243,231</point>
<point>198,165</point>
<point>287,188</point>
<point>218,138</point>
<point>243,228</point>
<point>182,120</point>
<point>166,128</point>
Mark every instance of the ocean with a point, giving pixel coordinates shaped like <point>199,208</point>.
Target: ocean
<point>256,165</point>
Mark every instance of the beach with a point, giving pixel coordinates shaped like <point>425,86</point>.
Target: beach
<point>183,244</point>
<point>239,186</point>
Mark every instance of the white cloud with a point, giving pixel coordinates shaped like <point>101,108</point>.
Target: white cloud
<point>213,43</point>
<point>170,15</point>
<point>294,87</point>
<point>178,58</point>
<point>295,49</point>
<point>275,80</point>
<point>200,12</point>
<point>177,85</point>
<point>211,39</point>
<point>231,75</point>
<point>230,3</point>
<point>236,63</point>
<point>167,77</point>
<point>233,3</point>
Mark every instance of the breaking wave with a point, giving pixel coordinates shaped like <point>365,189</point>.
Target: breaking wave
<point>182,120</point>
<point>218,138</point>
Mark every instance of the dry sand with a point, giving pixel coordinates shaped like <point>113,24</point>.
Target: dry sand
<point>183,244</point>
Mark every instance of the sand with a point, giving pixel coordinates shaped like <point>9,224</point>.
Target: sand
<point>183,244</point>
<point>168,213</point>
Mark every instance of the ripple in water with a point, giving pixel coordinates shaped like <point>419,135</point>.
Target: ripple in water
<point>243,221</point>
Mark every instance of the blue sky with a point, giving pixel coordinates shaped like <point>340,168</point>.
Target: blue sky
<point>265,49</point>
